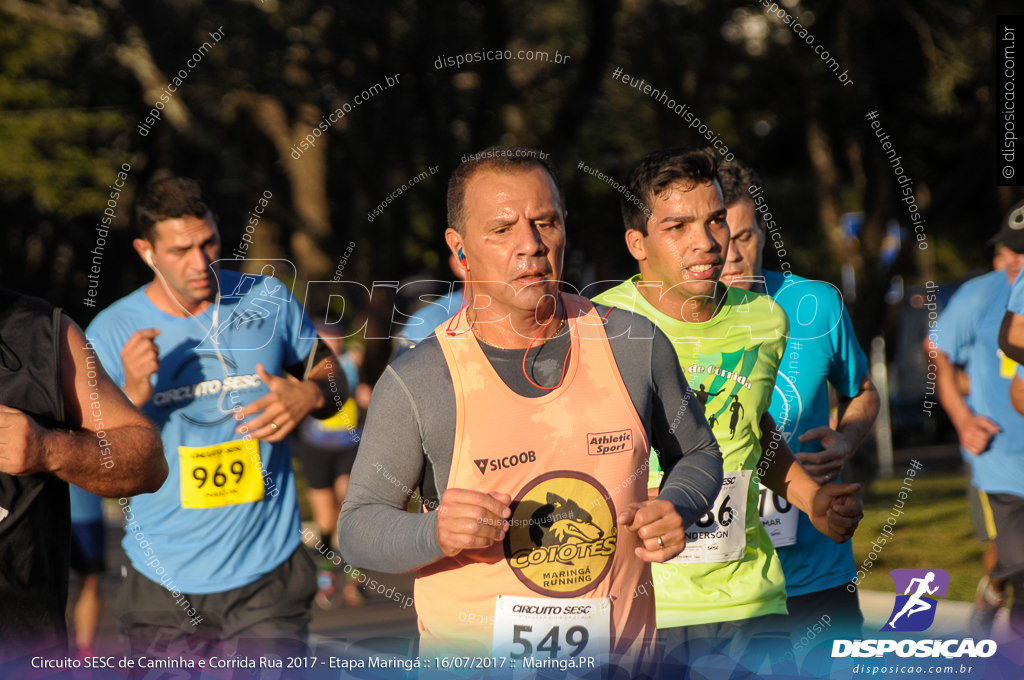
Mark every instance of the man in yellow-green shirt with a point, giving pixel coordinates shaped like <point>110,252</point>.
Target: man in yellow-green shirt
<point>722,595</point>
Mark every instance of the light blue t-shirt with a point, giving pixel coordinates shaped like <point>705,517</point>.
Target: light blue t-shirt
<point>968,331</point>
<point>822,349</point>
<point>85,507</point>
<point>211,549</point>
<point>1015,303</point>
<point>422,324</point>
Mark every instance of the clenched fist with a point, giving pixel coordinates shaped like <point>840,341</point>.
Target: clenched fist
<point>21,443</point>
<point>140,359</point>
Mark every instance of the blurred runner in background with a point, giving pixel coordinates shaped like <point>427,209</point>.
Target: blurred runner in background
<point>991,432</point>
<point>88,561</point>
<point>326,449</point>
<point>422,323</point>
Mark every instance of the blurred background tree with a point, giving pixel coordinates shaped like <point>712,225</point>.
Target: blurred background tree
<point>78,78</point>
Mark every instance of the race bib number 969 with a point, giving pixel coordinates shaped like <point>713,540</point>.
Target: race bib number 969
<point>222,474</point>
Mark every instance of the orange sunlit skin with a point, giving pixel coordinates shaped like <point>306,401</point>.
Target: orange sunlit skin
<point>182,251</point>
<point>746,245</point>
<point>684,252</point>
<point>513,245</point>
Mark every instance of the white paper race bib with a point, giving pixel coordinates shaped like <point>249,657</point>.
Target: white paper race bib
<point>552,628</point>
<point>720,535</point>
<point>778,517</point>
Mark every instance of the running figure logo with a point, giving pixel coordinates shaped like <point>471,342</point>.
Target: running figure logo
<point>914,610</point>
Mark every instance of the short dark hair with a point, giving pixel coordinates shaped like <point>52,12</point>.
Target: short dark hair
<point>505,159</point>
<point>737,179</point>
<point>167,199</point>
<point>656,171</point>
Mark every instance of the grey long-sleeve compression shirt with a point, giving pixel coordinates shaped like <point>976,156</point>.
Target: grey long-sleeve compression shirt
<point>409,437</point>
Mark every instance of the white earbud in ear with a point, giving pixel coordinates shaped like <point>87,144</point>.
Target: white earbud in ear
<point>149,259</point>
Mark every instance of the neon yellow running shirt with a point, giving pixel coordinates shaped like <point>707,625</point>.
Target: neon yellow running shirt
<point>725,573</point>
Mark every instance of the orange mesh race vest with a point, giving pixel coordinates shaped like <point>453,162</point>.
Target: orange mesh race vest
<point>571,459</point>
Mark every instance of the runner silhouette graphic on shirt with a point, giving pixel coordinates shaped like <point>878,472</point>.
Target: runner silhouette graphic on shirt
<point>916,604</point>
<point>736,409</point>
<point>703,396</point>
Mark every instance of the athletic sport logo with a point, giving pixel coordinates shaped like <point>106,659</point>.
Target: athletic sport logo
<point>914,610</point>
<point>562,534</point>
<point>603,443</point>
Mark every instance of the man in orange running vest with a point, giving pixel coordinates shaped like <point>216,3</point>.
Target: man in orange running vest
<point>525,422</point>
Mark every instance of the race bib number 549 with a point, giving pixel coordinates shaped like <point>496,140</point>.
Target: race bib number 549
<point>222,474</point>
<point>552,628</point>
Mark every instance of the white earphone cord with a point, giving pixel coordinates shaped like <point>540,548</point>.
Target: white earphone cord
<point>211,332</point>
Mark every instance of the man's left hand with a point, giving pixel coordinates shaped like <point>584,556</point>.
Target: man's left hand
<point>826,465</point>
<point>650,521</point>
<point>837,511</point>
<point>282,409</point>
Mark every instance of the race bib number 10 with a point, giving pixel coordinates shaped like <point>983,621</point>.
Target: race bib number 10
<point>552,628</point>
<point>720,535</point>
<point>778,518</point>
<point>222,474</point>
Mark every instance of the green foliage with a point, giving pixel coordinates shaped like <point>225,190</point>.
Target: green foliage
<point>76,80</point>
<point>934,530</point>
<point>54,144</point>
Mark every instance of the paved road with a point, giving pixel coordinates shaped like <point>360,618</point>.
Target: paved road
<point>381,620</point>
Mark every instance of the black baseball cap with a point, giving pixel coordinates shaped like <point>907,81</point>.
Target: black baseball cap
<point>1011,229</point>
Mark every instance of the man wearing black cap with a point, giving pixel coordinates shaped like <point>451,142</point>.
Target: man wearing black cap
<point>991,432</point>
<point>1011,333</point>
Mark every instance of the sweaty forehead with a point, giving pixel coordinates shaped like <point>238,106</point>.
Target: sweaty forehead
<point>502,190</point>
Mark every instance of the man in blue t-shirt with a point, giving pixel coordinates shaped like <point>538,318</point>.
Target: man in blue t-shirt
<point>822,350</point>
<point>216,359</point>
<point>991,432</point>
<point>421,324</point>
<point>1011,332</point>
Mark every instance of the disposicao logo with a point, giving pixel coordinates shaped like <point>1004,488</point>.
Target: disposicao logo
<point>914,610</point>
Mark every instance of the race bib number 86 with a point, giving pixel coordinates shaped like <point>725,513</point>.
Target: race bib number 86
<point>222,474</point>
<point>720,535</point>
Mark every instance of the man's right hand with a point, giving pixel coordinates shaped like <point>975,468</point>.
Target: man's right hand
<point>976,432</point>
<point>471,520</point>
<point>140,359</point>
